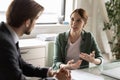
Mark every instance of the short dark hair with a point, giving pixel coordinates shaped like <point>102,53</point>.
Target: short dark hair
<point>21,10</point>
<point>82,13</point>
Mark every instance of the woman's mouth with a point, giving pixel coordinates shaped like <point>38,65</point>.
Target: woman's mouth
<point>74,27</point>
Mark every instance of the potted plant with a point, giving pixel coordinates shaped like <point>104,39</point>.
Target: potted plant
<point>113,9</point>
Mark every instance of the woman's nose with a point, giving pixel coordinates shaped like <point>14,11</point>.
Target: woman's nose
<point>74,22</point>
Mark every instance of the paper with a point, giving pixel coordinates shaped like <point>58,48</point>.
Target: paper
<point>81,75</point>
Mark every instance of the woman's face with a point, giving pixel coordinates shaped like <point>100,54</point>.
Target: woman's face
<point>76,22</point>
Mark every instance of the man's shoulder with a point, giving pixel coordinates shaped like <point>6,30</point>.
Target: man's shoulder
<point>4,34</point>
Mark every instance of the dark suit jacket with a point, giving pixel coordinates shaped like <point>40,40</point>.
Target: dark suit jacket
<point>12,66</point>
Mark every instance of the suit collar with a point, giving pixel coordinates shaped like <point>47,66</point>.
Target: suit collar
<point>10,31</point>
<point>14,35</point>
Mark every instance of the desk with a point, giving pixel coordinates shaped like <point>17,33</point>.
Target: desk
<point>94,73</point>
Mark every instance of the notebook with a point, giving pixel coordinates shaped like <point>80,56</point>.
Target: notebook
<point>114,72</point>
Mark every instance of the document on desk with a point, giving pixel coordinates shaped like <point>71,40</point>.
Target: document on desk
<point>81,75</point>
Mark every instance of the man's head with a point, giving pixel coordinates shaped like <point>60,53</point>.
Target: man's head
<point>22,12</point>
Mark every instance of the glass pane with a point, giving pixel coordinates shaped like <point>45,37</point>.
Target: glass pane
<point>4,5</point>
<point>50,15</point>
<point>52,11</point>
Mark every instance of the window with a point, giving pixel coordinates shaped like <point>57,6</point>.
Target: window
<point>53,10</point>
<point>3,7</point>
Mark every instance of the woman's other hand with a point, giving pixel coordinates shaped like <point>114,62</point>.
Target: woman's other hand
<point>71,64</point>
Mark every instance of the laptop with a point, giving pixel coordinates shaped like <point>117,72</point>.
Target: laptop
<point>114,72</point>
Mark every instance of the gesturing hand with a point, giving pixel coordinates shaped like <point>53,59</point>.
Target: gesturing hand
<point>72,65</point>
<point>89,58</point>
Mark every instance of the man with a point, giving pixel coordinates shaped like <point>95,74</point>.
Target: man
<point>20,19</point>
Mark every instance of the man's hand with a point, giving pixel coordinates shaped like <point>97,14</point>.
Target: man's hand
<point>51,72</point>
<point>63,74</point>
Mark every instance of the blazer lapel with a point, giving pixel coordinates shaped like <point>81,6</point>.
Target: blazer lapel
<point>82,43</point>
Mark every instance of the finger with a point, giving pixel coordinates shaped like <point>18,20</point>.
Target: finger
<point>63,70</point>
<point>82,53</point>
<point>92,55</point>
<point>69,74</point>
<point>81,56</point>
<point>84,56</point>
<point>78,62</point>
<point>71,61</point>
<point>93,52</point>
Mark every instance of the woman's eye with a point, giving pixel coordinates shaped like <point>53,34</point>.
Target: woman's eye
<point>80,20</point>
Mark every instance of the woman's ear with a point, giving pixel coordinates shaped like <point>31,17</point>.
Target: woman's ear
<point>84,25</point>
<point>27,23</point>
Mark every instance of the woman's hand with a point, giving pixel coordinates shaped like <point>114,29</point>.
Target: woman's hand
<point>71,64</point>
<point>90,58</point>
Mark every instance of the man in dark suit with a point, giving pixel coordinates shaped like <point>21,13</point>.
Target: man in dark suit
<point>20,19</point>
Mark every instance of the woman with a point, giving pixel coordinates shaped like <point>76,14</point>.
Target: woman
<point>76,48</point>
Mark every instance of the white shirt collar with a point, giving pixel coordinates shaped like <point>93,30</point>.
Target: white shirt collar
<point>14,35</point>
